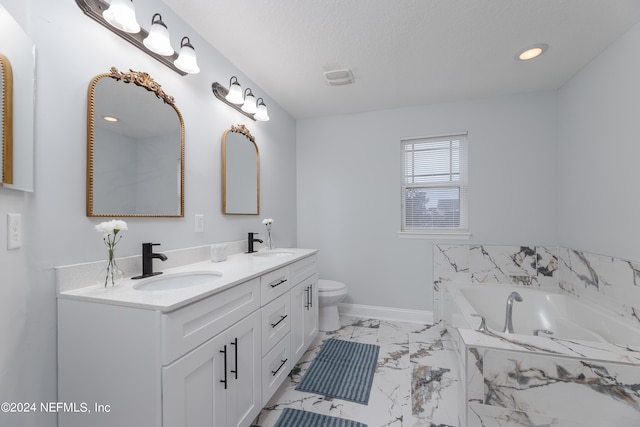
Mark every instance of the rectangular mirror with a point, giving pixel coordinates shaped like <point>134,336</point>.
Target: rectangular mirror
<point>19,53</point>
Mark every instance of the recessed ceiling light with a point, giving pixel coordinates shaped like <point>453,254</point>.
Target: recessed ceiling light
<point>110,118</point>
<point>531,52</point>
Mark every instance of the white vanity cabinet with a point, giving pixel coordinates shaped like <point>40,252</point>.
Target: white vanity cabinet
<point>213,362</point>
<point>217,384</point>
<point>276,326</point>
<point>304,307</point>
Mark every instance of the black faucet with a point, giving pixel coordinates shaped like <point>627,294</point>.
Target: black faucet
<point>250,241</point>
<point>147,260</point>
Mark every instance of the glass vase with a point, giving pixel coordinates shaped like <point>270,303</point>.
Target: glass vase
<point>111,273</point>
<point>269,241</point>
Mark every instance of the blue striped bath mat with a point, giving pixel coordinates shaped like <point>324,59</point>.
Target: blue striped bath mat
<point>296,418</point>
<point>343,370</point>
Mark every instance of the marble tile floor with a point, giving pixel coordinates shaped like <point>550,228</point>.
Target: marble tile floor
<point>415,383</point>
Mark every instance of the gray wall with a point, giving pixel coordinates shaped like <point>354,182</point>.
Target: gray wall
<point>71,50</point>
<point>598,153</point>
<point>349,189</point>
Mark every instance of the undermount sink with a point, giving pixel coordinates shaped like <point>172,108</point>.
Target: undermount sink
<point>177,281</point>
<point>273,253</point>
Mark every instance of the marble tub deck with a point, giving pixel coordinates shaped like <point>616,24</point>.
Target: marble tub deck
<point>416,383</point>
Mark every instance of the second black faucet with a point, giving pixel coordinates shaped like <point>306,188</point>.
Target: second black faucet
<point>147,260</point>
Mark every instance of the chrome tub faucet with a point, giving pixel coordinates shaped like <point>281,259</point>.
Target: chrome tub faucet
<point>508,321</point>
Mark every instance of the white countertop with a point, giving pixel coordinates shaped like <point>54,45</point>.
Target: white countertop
<point>236,269</point>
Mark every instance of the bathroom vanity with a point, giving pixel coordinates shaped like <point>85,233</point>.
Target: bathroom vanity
<point>205,354</point>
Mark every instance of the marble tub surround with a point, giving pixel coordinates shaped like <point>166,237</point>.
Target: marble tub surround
<point>415,382</point>
<point>611,282</point>
<point>522,380</point>
<point>78,281</point>
<point>519,265</point>
<point>538,390</point>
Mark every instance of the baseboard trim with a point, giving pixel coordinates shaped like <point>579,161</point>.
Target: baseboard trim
<point>386,313</point>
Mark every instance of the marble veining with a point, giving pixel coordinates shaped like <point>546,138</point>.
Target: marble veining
<point>521,380</point>
<point>416,380</point>
<point>612,282</point>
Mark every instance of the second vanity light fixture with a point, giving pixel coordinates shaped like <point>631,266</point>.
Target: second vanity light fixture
<point>247,104</point>
<point>119,16</point>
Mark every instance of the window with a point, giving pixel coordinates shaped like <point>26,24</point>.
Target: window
<point>434,185</point>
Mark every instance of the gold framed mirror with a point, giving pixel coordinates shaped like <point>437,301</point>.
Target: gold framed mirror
<point>135,148</point>
<point>6,117</point>
<point>240,172</point>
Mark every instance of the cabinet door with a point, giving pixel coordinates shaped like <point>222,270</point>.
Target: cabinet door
<point>311,311</point>
<point>299,303</point>
<point>244,393</point>
<point>193,393</point>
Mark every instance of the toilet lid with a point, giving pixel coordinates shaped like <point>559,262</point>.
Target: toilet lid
<point>330,285</point>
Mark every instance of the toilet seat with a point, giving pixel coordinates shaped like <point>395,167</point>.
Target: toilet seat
<point>325,285</point>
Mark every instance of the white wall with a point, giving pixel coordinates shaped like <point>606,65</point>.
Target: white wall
<point>598,152</point>
<point>349,189</point>
<point>71,50</point>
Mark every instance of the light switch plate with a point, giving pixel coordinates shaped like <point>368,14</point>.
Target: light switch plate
<point>14,231</point>
<point>199,228</point>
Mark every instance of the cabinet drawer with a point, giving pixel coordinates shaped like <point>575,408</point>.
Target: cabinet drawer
<point>276,321</point>
<point>274,284</point>
<point>275,368</point>
<point>188,327</point>
<point>302,269</point>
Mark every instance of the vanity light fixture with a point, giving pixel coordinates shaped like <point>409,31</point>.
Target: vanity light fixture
<point>249,105</point>
<point>122,15</point>
<point>105,14</point>
<point>235,92</point>
<point>158,39</point>
<point>261,115</point>
<point>187,57</point>
<point>233,98</point>
<point>531,52</point>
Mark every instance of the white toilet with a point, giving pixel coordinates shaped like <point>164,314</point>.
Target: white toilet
<point>330,293</point>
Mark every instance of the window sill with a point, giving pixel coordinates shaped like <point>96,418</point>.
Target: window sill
<point>453,235</point>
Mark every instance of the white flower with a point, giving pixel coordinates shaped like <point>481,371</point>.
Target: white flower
<point>267,221</point>
<point>111,227</point>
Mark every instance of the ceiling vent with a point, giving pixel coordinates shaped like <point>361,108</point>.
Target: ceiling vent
<point>338,77</point>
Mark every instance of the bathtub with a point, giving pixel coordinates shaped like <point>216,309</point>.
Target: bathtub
<point>542,309</point>
<point>593,356</point>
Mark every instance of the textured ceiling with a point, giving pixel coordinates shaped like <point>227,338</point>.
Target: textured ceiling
<point>404,52</point>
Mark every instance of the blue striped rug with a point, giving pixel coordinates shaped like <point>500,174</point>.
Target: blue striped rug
<point>296,418</point>
<point>343,370</point>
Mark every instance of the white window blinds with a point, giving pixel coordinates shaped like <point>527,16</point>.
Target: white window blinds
<point>434,184</point>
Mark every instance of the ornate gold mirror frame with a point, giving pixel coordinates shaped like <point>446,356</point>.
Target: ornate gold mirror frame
<point>240,172</point>
<point>6,79</point>
<point>172,173</point>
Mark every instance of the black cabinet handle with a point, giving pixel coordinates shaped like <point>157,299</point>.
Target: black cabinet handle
<point>224,381</point>
<point>273,285</point>
<point>279,367</point>
<point>306,303</point>
<point>311,295</point>
<point>235,345</point>
<point>273,325</point>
